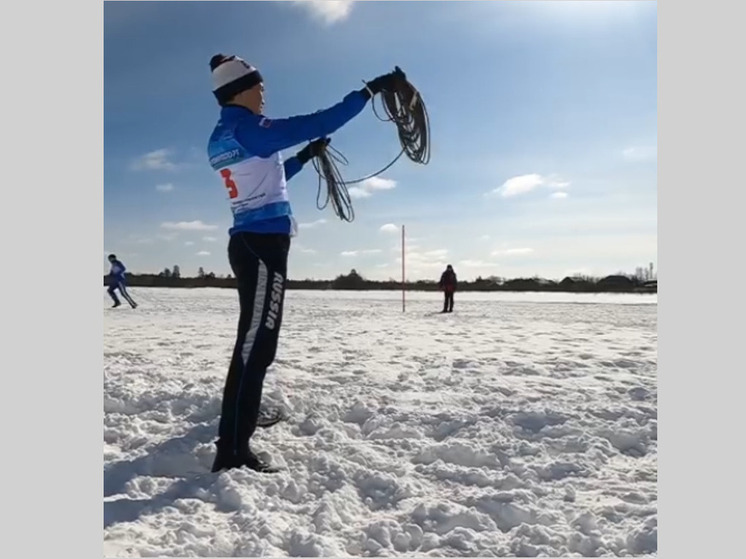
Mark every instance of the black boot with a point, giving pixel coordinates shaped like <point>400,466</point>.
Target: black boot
<point>226,460</point>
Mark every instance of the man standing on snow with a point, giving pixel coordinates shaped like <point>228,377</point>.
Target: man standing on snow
<point>448,283</point>
<point>244,151</point>
<point>117,280</point>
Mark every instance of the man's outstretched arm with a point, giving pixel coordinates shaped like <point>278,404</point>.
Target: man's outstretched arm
<point>269,136</point>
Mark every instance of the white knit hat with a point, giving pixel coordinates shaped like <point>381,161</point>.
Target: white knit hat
<point>232,75</point>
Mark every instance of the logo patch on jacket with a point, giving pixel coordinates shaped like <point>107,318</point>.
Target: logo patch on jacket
<point>265,123</point>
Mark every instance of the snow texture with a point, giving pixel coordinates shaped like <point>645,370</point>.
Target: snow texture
<point>523,424</point>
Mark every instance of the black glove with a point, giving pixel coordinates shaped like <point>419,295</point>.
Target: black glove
<point>386,81</point>
<point>312,149</point>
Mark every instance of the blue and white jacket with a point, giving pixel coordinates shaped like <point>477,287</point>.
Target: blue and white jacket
<point>116,272</point>
<point>244,150</point>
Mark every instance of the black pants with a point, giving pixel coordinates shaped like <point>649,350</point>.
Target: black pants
<point>448,301</point>
<point>259,263</point>
<point>113,286</point>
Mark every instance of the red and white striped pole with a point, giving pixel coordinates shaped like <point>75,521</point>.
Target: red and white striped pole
<point>403,269</point>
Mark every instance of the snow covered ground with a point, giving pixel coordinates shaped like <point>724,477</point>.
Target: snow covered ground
<point>522,424</point>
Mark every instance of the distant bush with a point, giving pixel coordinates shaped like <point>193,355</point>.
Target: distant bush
<point>353,281</point>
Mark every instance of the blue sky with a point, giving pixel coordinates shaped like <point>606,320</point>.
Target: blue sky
<point>543,128</point>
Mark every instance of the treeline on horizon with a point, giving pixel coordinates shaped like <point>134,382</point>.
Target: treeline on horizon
<point>618,283</point>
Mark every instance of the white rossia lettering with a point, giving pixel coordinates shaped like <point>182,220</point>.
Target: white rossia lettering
<point>275,300</point>
<point>232,154</point>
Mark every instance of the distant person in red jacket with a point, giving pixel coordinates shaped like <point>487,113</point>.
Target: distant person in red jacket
<point>448,283</point>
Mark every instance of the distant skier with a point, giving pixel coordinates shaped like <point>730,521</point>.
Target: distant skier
<point>448,283</point>
<point>117,280</point>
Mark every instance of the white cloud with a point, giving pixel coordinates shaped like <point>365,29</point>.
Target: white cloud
<point>301,248</point>
<point>437,253</point>
<point>164,187</point>
<point>378,183</point>
<point>188,226</point>
<point>189,243</point>
<point>357,192</point>
<point>389,228</point>
<point>640,153</point>
<point>371,185</point>
<point>312,224</point>
<point>484,238</point>
<point>520,185</point>
<point>556,183</point>
<point>416,259</point>
<point>360,252</point>
<point>203,253</point>
<point>558,195</point>
<point>526,183</point>
<point>512,251</point>
<point>327,11</point>
<point>210,239</point>
<point>157,160</point>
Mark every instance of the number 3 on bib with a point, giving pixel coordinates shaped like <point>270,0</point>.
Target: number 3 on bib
<point>229,184</point>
